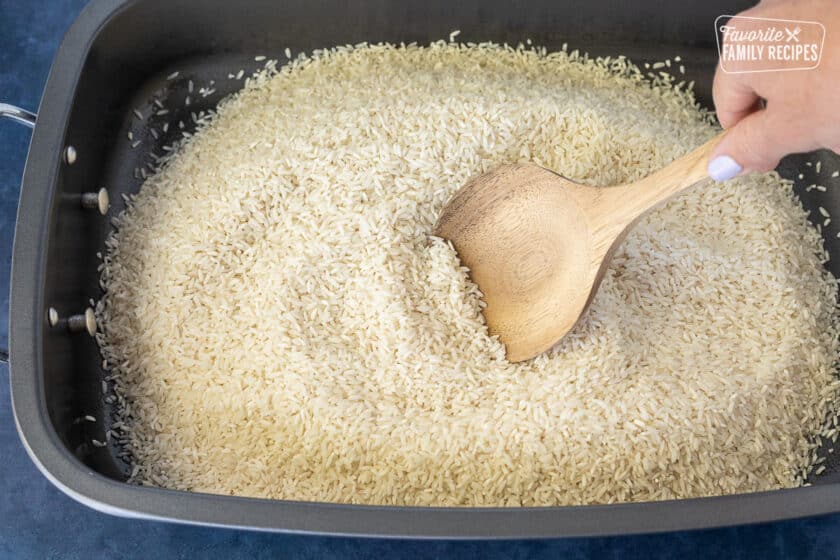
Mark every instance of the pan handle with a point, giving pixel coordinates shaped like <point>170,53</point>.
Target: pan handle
<point>17,114</point>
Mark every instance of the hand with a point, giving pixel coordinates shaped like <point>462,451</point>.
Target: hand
<point>802,111</point>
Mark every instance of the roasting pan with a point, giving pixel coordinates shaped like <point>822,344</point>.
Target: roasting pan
<point>120,55</point>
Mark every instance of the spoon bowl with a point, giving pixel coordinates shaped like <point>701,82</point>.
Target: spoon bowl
<point>529,270</point>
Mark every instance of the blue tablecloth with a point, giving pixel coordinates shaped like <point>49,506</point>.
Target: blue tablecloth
<point>37,521</point>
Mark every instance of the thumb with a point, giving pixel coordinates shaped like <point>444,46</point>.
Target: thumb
<point>756,143</point>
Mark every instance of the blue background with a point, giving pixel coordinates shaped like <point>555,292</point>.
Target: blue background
<point>37,521</point>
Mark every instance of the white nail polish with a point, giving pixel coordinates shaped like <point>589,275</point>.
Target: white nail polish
<point>723,168</point>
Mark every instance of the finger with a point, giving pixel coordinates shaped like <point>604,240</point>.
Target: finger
<point>757,143</point>
<point>734,98</point>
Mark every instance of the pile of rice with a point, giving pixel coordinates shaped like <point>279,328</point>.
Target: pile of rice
<point>279,323</point>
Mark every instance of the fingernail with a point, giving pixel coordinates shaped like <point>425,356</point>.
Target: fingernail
<point>723,168</point>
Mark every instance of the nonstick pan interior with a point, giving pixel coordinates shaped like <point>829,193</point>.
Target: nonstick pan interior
<point>108,101</point>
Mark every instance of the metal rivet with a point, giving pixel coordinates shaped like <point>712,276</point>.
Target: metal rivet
<point>83,322</point>
<point>98,200</point>
<point>70,155</point>
<point>52,316</point>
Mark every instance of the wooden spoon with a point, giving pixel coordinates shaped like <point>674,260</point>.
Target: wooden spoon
<point>538,244</point>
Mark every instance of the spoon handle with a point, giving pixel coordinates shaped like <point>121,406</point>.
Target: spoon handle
<point>645,194</point>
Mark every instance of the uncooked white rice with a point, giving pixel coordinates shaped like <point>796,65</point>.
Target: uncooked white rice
<point>280,324</point>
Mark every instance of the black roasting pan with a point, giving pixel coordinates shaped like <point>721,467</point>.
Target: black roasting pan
<point>114,59</point>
